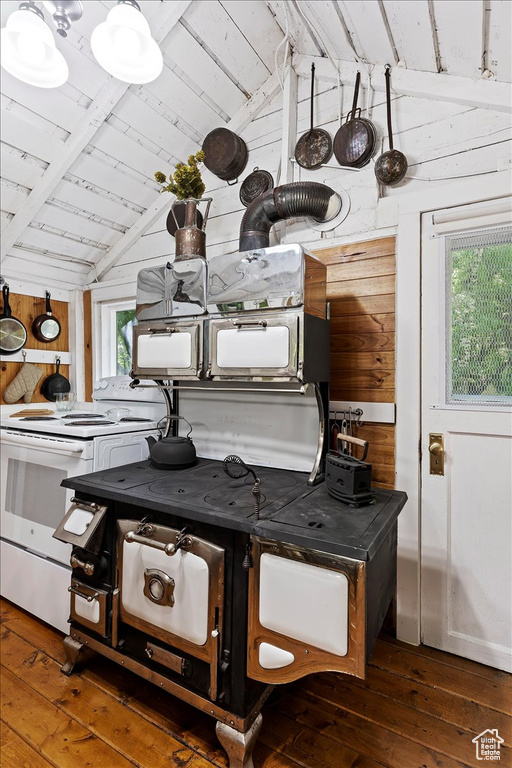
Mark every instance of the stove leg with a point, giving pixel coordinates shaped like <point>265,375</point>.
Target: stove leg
<point>239,746</point>
<point>72,649</point>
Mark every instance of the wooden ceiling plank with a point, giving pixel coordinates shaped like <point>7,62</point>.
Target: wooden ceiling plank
<point>366,19</point>
<point>109,95</point>
<point>485,94</point>
<point>175,95</point>
<point>27,138</point>
<point>299,37</point>
<point>50,103</point>
<point>461,54</point>
<point>182,48</point>
<point>259,27</point>
<point>411,29</point>
<point>106,176</point>
<point>89,200</point>
<point>500,43</point>
<point>78,225</point>
<point>15,168</point>
<point>127,150</point>
<point>13,196</point>
<point>243,117</point>
<point>141,118</point>
<point>52,243</point>
<point>210,23</point>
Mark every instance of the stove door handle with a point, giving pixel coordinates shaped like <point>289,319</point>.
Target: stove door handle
<point>169,549</point>
<point>44,442</point>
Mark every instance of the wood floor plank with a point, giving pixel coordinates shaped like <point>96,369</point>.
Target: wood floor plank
<point>457,662</point>
<point>56,736</point>
<point>432,701</point>
<point>16,753</point>
<point>495,694</point>
<point>421,727</point>
<point>354,732</point>
<point>100,714</point>
<point>24,624</point>
<point>305,745</point>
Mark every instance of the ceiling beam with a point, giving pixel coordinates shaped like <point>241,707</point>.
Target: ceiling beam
<point>103,103</point>
<point>485,94</point>
<point>240,120</point>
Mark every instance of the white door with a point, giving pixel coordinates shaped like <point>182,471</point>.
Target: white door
<point>466,535</point>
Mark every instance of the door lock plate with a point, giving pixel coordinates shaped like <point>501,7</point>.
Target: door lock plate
<point>436,451</point>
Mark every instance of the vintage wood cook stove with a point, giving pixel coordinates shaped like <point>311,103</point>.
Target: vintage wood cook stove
<point>176,575</point>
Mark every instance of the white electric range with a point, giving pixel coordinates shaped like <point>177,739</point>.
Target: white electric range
<point>36,455</point>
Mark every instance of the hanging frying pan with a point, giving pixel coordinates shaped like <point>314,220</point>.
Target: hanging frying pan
<point>314,148</point>
<point>13,334</point>
<point>392,165</point>
<point>55,384</point>
<point>46,327</point>
<point>355,139</point>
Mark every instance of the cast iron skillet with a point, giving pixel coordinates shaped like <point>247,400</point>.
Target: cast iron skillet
<point>55,384</point>
<point>13,334</point>
<point>314,148</point>
<point>46,327</point>
<point>355,139</point>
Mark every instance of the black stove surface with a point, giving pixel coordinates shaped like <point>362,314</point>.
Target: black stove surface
<point>290,510</point>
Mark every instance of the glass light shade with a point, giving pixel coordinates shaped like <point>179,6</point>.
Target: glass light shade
<point>29,53</point>
<point>124,47</point>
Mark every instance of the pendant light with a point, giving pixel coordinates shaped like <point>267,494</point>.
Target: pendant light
<point>124,47</point>
<point>28,49</point>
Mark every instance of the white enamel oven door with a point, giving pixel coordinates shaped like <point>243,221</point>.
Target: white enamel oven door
<point>33,501</point>
<point>306,613</point>
<point>176,597</point>
<point>255,346</point>
<point>168,350</point>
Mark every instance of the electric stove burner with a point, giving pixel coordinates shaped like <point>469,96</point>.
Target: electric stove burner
<point>39,418</point>
<point>89,423</point>
<point>83,416</point>
<point>134,418</point>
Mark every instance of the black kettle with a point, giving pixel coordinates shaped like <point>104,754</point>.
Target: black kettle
<point>173,452</point>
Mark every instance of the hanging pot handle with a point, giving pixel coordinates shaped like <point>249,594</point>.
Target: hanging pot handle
<point>57,364</point>
<point>356,95</point>
<point>312,99</point>
<point>48,305</point>
<point>7,309</point>
<point>387,75</point>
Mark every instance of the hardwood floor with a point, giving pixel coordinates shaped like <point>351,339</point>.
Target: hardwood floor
<point>417,708</point>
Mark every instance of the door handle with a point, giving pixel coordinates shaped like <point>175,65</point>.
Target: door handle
<point>436,450</point>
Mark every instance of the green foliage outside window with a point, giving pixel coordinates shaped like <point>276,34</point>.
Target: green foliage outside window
<point>125,320</point>
<point>481,320</point>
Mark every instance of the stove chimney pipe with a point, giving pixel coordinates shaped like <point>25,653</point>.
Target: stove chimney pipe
<point>300,198</point>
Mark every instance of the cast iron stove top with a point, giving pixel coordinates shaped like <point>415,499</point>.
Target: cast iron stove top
<point>290,510</point>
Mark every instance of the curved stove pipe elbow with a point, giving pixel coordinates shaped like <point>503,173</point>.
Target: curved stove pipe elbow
<point>300,198</point>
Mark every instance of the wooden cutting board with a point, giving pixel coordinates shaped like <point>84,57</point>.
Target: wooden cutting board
<point>33,412</point>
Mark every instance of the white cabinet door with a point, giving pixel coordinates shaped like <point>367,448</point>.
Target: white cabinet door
<point>307,613</point>
<point>466,535</point>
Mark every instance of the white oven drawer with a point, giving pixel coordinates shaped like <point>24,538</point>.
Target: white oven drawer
<point>168,350</point>
<point>255,346</point>
<point>89,606</point>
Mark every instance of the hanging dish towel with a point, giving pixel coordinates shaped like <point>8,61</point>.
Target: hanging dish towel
<point>23,384</point>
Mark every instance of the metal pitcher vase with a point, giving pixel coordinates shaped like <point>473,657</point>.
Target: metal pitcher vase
<point>190,228</point>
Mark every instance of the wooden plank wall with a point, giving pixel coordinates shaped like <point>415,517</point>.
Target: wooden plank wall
<point>361,289</point>
<point>26,309</point>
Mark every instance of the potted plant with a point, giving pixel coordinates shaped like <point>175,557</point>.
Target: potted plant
<point>185,222</point>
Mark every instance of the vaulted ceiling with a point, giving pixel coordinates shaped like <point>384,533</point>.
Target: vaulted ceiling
<point>77,161</point>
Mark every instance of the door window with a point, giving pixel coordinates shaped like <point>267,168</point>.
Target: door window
<point>479,318</point>
<point>33,491</point>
